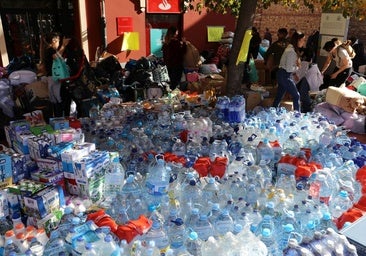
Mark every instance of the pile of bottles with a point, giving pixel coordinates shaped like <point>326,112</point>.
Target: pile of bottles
<point>163,169</point>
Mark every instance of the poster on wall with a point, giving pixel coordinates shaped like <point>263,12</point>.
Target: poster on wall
<point>156,41</point>
<point>124,24</point>
<point>214,33</point>
<point>163,6</point>
<point>333,24</point>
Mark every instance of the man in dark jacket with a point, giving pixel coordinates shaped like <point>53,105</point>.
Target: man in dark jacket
<point>273,55</point>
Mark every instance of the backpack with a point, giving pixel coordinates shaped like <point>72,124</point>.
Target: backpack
<point>347,45</point>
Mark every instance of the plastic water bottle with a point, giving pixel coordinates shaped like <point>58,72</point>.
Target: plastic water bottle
<point>191,193</point>
<point>265,151</point>
<point>36,247</point>
<point>108,247</point>
<point>194,244</point>
<point>252,195</point>
<point>122,217</point>
<point>339,204</point>
<point>114,177</point>
<point>267,237</point>
<point>10,246</point>
<point>177,233</point>
<point>179,148</point>
<point>203,228</point>
<point>214,213</point>
<point>192,217</point>
<point>89,250</point>
<point>210,192</point>
<point>288,232</point>
<point>157,234</point>
<point>79,246</point>
<point>157,180</point>
<point>138,208</point>
<point>154,215</point>
<point>130,191</point>
<point>224,223</point>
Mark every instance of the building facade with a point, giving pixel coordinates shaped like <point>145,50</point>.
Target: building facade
<point>130,29</point>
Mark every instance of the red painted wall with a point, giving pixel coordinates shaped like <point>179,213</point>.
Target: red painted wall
<point>94,27</point>
<point>195,27</point>
<point>124,8</point>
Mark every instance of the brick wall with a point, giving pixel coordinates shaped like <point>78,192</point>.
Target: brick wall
<point>303,20</point>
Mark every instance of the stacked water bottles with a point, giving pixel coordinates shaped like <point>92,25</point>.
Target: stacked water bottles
<point>260,198</point>
<point>264,202</point>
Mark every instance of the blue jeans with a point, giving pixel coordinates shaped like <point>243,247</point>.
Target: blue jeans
<point>286,84</point>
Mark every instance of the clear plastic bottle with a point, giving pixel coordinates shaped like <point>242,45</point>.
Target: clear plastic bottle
<point>36,247</point>
<point>291,145</point>
<point>192,193</point>
<point>157,234</point>
<point>89,250</point>
<point>194,244</point>
<point>114,177</point>
<point>179,148</point>
<point>267,237</point>
<point>339,204</point>
<point>265,151</point>
<point>210,193</point>
<point>177,233</point>
<point>130,191</point>
<point>203,228</point>
<point>10,246</point>
<point>224,223</point>
<point>138,208</point>
<point>56,247</point>
<point>122,216</point>
<point>79,245</point>
<point>288,232</point>
<point>192,218</point>
<point>157,180</point>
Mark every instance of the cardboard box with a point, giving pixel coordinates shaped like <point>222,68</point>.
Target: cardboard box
<point>267,102</point>
<point>6,171</point>
<point>216,82</point>
<point>252,99</point>
<point>288,105</point>
<point>45,201</point>
<point>59,123</point>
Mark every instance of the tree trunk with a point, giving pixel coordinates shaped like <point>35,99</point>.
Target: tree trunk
<point>244,22</point>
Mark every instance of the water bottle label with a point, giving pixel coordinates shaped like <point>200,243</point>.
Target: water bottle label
<point>157,189</point>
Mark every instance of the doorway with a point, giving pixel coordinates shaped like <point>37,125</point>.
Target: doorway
<point>26,21</point>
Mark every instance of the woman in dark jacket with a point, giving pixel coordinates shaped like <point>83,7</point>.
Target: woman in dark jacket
<point>174,50</point>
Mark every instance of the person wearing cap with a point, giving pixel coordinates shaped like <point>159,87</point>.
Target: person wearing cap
<point>343,64</point>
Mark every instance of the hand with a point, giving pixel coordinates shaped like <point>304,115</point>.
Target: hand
<point>66,41</point>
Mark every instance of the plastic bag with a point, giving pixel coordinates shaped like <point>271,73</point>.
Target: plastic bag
<point>60,70</point>
<point>253,74</point>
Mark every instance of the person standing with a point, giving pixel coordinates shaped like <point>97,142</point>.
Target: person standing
<point>174,50</point>
<point>343,64</point>
<point>286,75</point>
<point>359,49</point>
<point>274,53</point>
<point>54,51</point>
<point>254,44</point>
<point>268,36</point>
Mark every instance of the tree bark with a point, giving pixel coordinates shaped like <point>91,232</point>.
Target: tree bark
<point>244,22</point>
